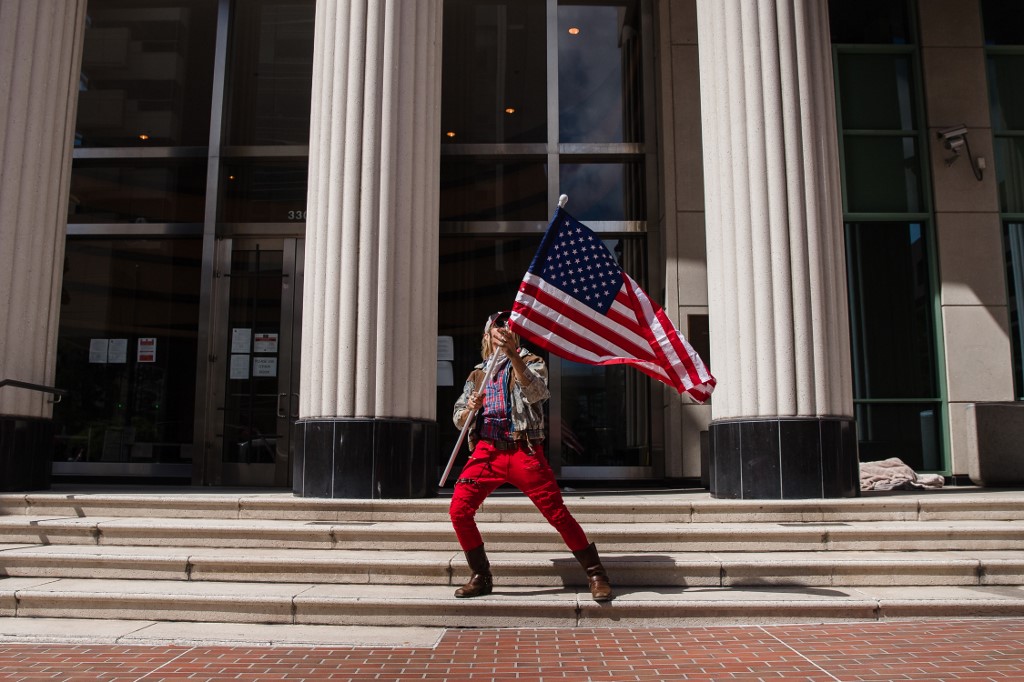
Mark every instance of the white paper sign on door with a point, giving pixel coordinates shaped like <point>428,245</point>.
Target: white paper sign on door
<point>240,339</point>
<point>264,367</point>
<point>98,350</point>
<point>264,343</point>
<point>146,351</point>
<point>240,366</point>
<point>117,351</point>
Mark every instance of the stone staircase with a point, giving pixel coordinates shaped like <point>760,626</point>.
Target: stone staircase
<point>675,557</point>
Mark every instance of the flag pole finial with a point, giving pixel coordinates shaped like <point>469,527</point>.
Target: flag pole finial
<point>563,200</point>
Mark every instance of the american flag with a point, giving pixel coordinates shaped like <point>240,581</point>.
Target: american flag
<point>576,302</point>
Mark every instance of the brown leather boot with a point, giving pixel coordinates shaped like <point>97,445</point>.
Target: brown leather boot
<point>480,584</point>
<point>600,588</point>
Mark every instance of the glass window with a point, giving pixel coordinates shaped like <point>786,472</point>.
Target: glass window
<point>870,21</point>
<point>876,92</point>
<point>137,191</point>
<point>271,72</point>
<point>600,84</point>
<point>127,350</point>
<point>1009,153</point>
<point>909,431</point>
<point>496,56</point>
<point>604,409</point>
<point>891,311</point>
<point>883,174</point>
<point>474,188</point>
<point>147,73</point>
<point>604,190</point>
<point>477,276</point>
<point>494,88</point>
<point>251,398</point>
<point>1013,237</point>
<point>264,190</point>
<point>1003,21</point>
<point>1006,91</point>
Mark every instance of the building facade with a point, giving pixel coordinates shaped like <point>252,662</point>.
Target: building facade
<point>255,241</point>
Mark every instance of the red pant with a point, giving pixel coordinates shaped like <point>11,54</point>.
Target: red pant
<point>487,469</point>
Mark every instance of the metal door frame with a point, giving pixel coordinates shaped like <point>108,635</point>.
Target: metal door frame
<point>277,474</point>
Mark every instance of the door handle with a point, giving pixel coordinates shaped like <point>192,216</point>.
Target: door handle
<point>295,413</point>
<point>280,410</point>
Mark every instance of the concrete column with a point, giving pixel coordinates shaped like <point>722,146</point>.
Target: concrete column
<point>40,61</point>
<point>367,409</point>
<point>782,415</point>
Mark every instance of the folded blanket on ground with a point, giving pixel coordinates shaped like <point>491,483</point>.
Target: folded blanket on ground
<point>893,474</point>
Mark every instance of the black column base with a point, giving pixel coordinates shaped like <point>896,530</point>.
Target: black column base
<point>26,453</point>
<point>784,458</point>
<point>365,458</point>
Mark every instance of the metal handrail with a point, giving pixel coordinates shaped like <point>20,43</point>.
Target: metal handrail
<point>58,392</point>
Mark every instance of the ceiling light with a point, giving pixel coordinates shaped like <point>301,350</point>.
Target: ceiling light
<point>510,110</point>
<point>143,137</point>
<point>574,31</point>
<point>450,133</point>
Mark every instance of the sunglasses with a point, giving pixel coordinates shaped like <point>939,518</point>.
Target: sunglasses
<point>500,320</point>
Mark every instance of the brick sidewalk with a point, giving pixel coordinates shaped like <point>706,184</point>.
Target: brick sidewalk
<point>962,650</point>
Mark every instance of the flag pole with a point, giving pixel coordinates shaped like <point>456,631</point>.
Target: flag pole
<point>469,419</point>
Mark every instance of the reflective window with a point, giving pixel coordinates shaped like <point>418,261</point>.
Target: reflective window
<point>604,409</point>
<point>1009,153</point>
<point>909,431</point>
<point>493,189</point>
<point>891,315</point>
<point>477,276</point>
<point>600,85</point>
<point>494,88</point>
<point>1004,30</point>
<point>258,190</point>
<point>1005,92</point>
<point>147,73</point>
<point>271,72</point>
<point>1013,237</point>
<point>127,350</point>
<point>1003,22</point>
<point>604,190</point>
<point>137,191</point>
<point>870,21</point>
<point>251,404</point>
<point>876,92</point>
<point>883,174</point>
<point>497,158</point>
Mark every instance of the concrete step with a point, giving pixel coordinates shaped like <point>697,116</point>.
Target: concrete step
<point>509,606</point>
<point>538,569</point>
<point>670,506</point>
<point>647,537</point>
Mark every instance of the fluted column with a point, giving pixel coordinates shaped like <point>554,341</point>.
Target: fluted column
<point>782,415</point>
<point>367,407</point>
<point>40,60</point>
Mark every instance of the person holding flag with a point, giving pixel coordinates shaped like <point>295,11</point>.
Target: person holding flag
<point>507,443</point>
<point>576,302</point>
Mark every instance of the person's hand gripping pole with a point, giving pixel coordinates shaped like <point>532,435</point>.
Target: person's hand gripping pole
<point>469,419</point>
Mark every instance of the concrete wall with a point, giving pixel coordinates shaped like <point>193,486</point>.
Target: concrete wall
<point>682,227</point>
<point>975,318</point>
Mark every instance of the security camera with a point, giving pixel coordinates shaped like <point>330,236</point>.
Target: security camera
<point>951,133</point>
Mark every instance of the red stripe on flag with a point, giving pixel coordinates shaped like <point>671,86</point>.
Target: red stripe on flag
<point>605,336</point>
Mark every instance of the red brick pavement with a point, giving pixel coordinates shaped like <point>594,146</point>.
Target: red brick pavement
<point>960,650</point>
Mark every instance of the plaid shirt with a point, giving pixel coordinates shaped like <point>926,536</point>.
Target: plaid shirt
<point>497,422</point>
<point>524,401</point>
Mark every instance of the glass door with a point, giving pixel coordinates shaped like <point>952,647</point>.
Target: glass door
<point>258,308</point>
